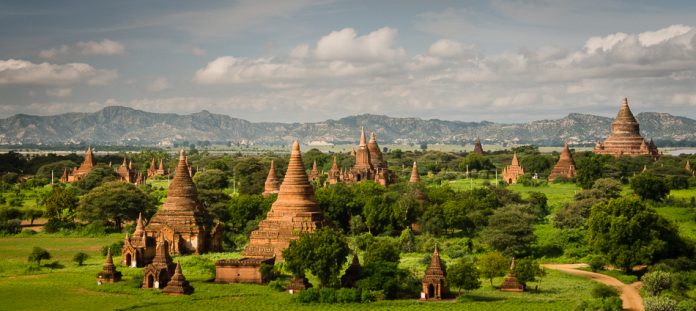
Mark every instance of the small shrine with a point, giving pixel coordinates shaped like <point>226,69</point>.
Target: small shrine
<point>510,283</point>
<point>108,273</point>
<point>434,286</point>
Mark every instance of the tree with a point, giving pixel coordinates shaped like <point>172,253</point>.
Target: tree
<point>251,175</point>
<point>247,207</point>
<point>38,254</point>
<point>211,179</point>
<point>627,233</point>
<point>589,169</point>
<point>492,265</point>
<point>61,204</point>
<point>660,304</point>
<point>336,203</point>
<point>97,176</point>
<point>527,270</point>
<point>650,187</point>
<point>115,202</point>
<point>609,188</point>
<point>464,275</point>
<point>382,251</point>
<point>80,258</point>
<point>510,230</point>
<point>322,252</point>
<point>31,214</point>
<point>657,281</point>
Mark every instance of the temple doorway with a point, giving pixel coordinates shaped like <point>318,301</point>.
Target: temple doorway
<point>431,291</point>
<point>150,281</point>
<point>128,260</point>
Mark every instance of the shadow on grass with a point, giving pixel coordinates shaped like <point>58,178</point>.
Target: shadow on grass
<point>477,298</point>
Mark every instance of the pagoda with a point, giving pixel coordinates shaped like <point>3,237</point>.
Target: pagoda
<point>478,149</point>
<point>182,220</point>
<point>434,286</point>
<point>510,283</point>
<point>688,167</point>
<point>369,163</point>
<point>314,173</point>
<point>565,167</point>
<point>294,212</point>
<point>415,178</point>
<point>512,171</point>
<point>335,174</point>
<point>126,172</point>
<point>138,249</point>
<point>178,285</point>
<point>108,273</point>
<point>272,184</point>
<point>86,166</point>
<point>158,273</point>
<point>625,137</point>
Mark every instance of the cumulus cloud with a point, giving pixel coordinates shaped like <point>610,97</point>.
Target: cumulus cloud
<point>158,84</point>
<point>21,72</point>
<point>59,92</point>
<point>346,45</point>
<point>104,47</point>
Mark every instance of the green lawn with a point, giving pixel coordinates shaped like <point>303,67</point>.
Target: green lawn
<point>73,287</point>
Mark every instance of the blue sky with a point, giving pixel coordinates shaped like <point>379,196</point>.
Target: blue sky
<point>311,60</point>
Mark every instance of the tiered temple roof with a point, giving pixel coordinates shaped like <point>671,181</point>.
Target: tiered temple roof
<point>84,169</point>
<point>512,171</point>
<point>108,273</point>
<point>434,286</point>
<point>158,273</point>
<point>565,167</point>
<point>182,219</point>
<point>272,184</point>
<point>178,285</point>
<point>314,173</point>
<point>625,136</point>
<point>295,211</point>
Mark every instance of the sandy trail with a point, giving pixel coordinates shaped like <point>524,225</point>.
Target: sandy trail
<point>630,296</point>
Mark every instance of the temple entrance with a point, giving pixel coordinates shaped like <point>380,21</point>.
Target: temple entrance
<point>431,291</point>
<point>150,281</point>
<point>128,260</point>
<point>510,181</point>
<point>357,177</point>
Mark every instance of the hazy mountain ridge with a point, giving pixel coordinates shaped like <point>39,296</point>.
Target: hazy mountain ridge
<point>126,126</point>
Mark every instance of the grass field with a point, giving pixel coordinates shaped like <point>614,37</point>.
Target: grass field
<point>73,287</point>
<point>557,194</point>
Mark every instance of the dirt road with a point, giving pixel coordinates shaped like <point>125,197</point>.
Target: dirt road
<point>630,295</point>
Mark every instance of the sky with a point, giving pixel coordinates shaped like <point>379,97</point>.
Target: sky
<point>313,60</point>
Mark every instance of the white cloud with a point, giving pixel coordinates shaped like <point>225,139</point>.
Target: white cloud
<point>105,47</point>
<point>158,84</point>
<point>345,45</point>
<point>198,51</point>
<point>446,48</point>
<point>650,38</point>
<point>59,92</point>
<point>21,72</point>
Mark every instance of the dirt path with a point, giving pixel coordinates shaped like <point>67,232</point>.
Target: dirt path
<point>630,296</point>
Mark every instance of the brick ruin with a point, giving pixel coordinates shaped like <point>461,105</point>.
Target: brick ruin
<point>625,137</point>
<point>512,171</point>
<point>565,167</point>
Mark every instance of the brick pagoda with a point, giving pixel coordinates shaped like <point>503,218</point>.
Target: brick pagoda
<point>512,171</point>
<point>625,137</point>
<point>178,285</point>
<point>565,167</point>
<point>272,184</point>
<point>478,149</point>
<point>434,286</point>
<point>108,273</point>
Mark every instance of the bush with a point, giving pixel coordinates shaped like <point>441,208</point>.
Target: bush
<point>277,284</point>
<point>657,281</point>
<point>596,263</point>
<point>12,226</point>
<point>348,295</point>
<point>55,225</point>
<point>38,254</point>
<point>601,304</point>
<point>116,249</point>
<point>308,295</point>
<point>604,291</point>
<point>687,305</point>
<point>659,304</point>
<point>80,258</point>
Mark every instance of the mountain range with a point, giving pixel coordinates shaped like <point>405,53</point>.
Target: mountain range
<point>117,125</point>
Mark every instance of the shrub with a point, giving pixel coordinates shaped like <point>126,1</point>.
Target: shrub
<point>657,281</point>
<point>659,304</point>
<point>38,254</point>
<point>80,258</point>
<point>308,295</point>
<point>12,226</point>
<point>277,284</point>
<point>348,295</point>
<point>115,249</point>
<point>601,304</point>
<point>687,305</point>
<point>596,263</point>
<point>604,291</point>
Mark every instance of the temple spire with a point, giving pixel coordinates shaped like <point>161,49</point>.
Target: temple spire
<point>515,162</point>
<point>362,138</point>
<point>414,174</point>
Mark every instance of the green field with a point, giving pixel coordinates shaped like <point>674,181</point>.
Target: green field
<point>73,287</point>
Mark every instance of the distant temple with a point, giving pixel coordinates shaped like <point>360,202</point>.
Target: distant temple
<point>154,171</point>
<point>314,173</point>
<point>127,173</point>
<point>294,212</point>
<point>478,149</point>
<point>688,167</point>
<point>625,137</point>
<point>510,283</point>
<point>415,178</point>
<point>84,169</point>
<point>182,222</point>
<point>565,167</point>
<point>108,273</point>
<point>369,165</point>
<point>434,285</point>
<point>272,185</point>
<point>512,171</point>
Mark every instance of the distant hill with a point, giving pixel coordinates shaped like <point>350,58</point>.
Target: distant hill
<point>126,126</point>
